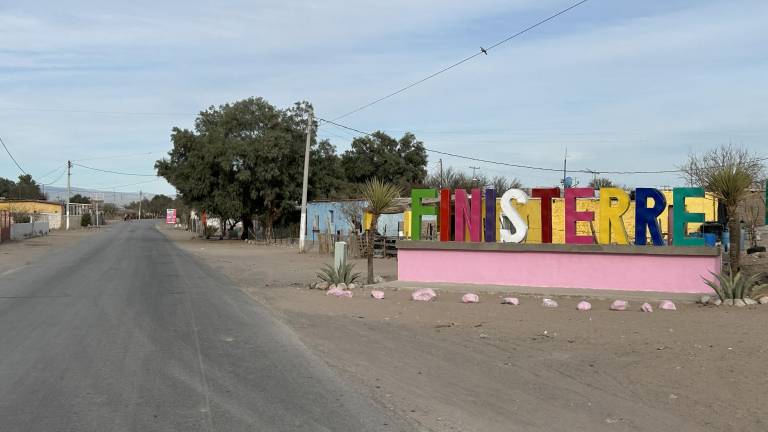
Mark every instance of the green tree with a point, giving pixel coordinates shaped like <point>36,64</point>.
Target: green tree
<point>726,172</point>
<point>25,188</point>
<point>241,159</point>
<point>380,198</point>
<point>326,174</point>
<point>80,199</point>
<point>401,162</point>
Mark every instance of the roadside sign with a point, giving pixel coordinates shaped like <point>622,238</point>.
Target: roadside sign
<point>170,216</point>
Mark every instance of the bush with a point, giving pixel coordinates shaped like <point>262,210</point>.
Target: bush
<point>85,220</point>
<point>21,217</point>
<point>343,274</point>
<point>727,286</point>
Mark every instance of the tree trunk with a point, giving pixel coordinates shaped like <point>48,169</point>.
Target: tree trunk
<point>371,238</point>
<point>268,226</point>
<point>247,227</point>
<point>734,240</point>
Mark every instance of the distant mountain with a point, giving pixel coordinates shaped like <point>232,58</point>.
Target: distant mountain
<point>55,193</point>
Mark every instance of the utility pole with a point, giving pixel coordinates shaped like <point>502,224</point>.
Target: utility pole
<point>303,221</point>
<point>139,204</point>
<point>565,163</point>
<point>440,161</point>
<point>69,174</point>
<point>474,173</point>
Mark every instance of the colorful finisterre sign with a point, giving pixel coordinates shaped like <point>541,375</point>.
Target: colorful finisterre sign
<point>577,241</point>
<point>170,216</point>
<point>479,217</point>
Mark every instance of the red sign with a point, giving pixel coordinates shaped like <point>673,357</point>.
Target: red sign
<point>170,216</point>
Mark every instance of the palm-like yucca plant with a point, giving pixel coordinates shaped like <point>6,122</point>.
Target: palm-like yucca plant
<point>381,198</point>
<point>343,274</point>
<point>731,287</point>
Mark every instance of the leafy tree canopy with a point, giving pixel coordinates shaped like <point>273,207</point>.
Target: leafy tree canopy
<point>241,159</point>
<point>80,199</point>
<point>25,188</point>
<point>401,162</point>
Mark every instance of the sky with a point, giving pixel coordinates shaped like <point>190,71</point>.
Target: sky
<point>623,85</point>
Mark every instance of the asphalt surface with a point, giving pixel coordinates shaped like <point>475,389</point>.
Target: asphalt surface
<point>126,332</point>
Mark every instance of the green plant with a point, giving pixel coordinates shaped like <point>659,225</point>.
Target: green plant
<point>19,217</point>
<point>85,220</point>
<point>381,198</point>
<point>342,274</point>
<point>729,286</point>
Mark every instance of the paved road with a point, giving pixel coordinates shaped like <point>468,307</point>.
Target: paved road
<point>125,332</point>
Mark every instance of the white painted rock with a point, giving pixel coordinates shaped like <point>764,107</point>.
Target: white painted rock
<point>378,295</point>
<point>763,300</point>
<point>322,285</point>
<point>549,303</point>
<point>705,299</point>
<point>584,305</point>
<point>667,305</point>
<point>423,294</point>
<point>717,302</point>
<point>510,301</point>
<point>739,303</point>
<point>728,302</point>
<point>619,305</point>
<point>646,307</point>
<point>750,301</point>
<point>342,286</point>
<point>470,298</point>
<point>352,286</point>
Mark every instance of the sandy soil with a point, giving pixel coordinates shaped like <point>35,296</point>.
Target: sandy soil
<point>490,367</point>
<point>14,255</point>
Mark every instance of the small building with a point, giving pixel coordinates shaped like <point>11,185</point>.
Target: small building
<point>39,210</point>
<point>345,216</point>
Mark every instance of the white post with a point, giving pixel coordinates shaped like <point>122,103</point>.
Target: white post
<point>139,205</point>
<point>69,174</point>
<point>303,222</point>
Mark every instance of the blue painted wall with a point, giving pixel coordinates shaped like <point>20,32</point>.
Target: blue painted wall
<point>321,213</point>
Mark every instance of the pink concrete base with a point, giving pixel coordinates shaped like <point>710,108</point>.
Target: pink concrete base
<point>623,272</point>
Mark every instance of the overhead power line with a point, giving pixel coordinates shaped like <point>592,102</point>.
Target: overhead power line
<point>483,51</point>
<point>12,158</point>
<point>530,167</point>
<point>63,171</point>
<point>50,172</point>
<point>114,172</point>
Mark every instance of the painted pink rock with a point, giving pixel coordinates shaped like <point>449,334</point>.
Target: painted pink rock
<point>333,291</point>
<point>619,305</point>
<point>378,295</point>
<point>646,307</point>
<point>584,306</point>
<point>549,303</point>
<point>510,300</point>
<point>667,305</point>
<point>470,298</point>
<point>423,294</point>
<point>338,292</point>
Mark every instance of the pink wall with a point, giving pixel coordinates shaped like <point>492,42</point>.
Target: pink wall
<point>628,272</point>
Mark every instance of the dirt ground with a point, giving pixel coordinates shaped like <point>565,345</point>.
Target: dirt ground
<point>14,255</point>
<point>449,366</point>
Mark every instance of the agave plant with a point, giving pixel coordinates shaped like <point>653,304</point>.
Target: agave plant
<point>343,274</point>
<point>729,286</point>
